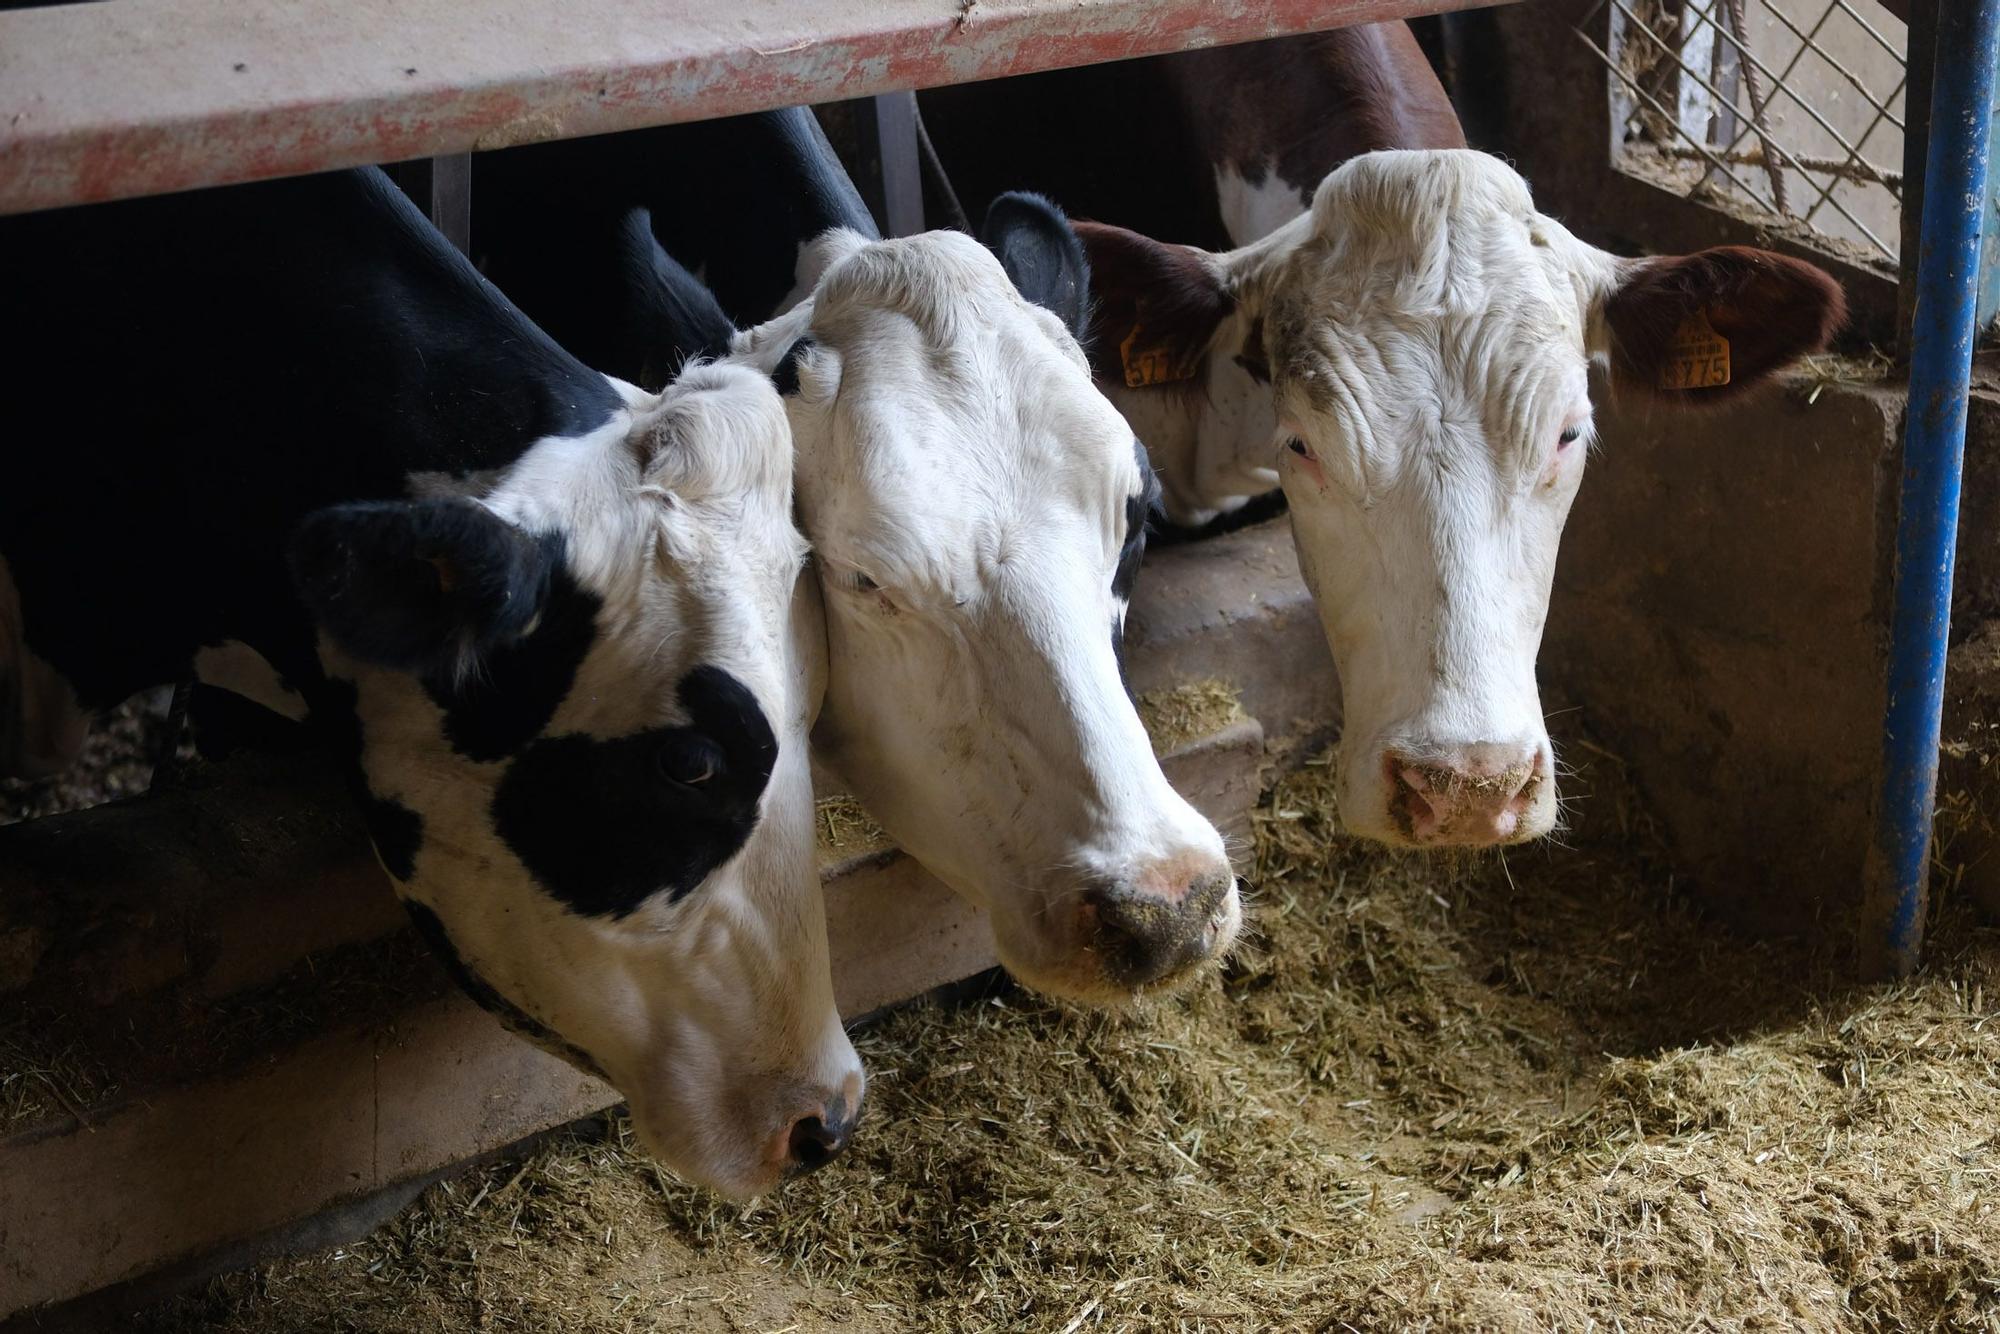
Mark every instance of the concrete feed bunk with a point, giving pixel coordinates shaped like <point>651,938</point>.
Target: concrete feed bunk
<point>1528,1093</point>
<point>199,1056</point>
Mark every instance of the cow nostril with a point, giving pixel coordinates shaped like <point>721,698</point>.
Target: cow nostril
<point>1145,938</point>
<point>814,1144</point>
<point>1411,801</point>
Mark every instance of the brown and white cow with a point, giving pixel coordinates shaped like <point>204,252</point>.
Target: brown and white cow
<point>1388,329</point>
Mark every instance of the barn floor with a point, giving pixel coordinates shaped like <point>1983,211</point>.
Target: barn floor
<point>1525,1094</point>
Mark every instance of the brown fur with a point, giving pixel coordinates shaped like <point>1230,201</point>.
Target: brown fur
<point>1773,310</point>
<point>1172,294</point>
<point>1313,102</point>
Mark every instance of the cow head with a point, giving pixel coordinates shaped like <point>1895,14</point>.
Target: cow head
<point>582,699</point>
<point>977,513</point>
<point>1419,343</point>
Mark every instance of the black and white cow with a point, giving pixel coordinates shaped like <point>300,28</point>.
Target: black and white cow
<point>1314,285</point>
<point>976,508</point>
<point>548,615</point>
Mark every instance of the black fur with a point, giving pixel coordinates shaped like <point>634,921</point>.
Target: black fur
<point>1139,510</point>
<point>675,317</point>
<point>604,825</point>
<point>786,376</point>
<point>508,697</point>
<point>397,832</point>
<point>1041,253</point>
<point>733,198</point>
<point>209,368</point>
<point>420,586</point>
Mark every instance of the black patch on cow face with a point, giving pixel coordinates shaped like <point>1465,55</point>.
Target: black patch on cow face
<point>508,698</point>
<point>397,832</point>
<point>1139,509</point>
<point>786,376</point>
<point>604,825</point>
<point>483,995</point>
<point>1252,358</point>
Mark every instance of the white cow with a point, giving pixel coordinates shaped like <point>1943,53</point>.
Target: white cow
<point>976,509</point>
<point>1408,357</point>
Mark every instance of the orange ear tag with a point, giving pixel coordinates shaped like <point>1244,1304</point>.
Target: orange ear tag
<point>1146,367</point>
<point>1698,357</point>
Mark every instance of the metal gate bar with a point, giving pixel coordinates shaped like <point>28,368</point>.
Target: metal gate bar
<point>143,97</point>
<point>1968,45</point>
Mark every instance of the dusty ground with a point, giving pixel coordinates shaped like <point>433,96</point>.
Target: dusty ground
<point>1522,1094</point>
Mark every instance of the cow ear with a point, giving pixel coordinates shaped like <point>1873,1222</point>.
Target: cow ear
<point>1041,253</point>
<point>1155,306</point>
<point>1697,329</point>
<point>420,585</point>
<point>680,317</point>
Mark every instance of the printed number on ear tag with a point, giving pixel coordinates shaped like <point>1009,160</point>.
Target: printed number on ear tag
<point>1148,366</point>
<point>1698,358</point>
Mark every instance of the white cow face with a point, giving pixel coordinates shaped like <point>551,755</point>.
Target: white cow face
<point>976,510</point>
<point>583,700</point>
<point>1425,337</point>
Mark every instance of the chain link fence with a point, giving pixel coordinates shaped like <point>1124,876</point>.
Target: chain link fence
<point>1789,109</point>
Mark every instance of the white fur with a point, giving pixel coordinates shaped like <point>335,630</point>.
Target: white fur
<point>951,449</point>
<point>234,666</point>
<point>1428,334</point>
<point>713,1015</point>
<point>1253,211</point>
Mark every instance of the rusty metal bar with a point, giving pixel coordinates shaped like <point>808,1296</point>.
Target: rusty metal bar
<point>148,96</point>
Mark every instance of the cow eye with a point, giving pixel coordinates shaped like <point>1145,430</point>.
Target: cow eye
<point>1570,435</point>
<point>688,761</point>
<point>1298,446</point>
<point>863,584</point>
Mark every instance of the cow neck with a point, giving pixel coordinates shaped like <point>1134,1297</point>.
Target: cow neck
<point>280,347</point>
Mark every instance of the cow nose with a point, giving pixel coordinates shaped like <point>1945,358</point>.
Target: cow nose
<point>817,1140</point>
<point>1473,796</point>
<point>1145,936</point>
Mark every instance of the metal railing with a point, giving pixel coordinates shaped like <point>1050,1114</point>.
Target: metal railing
<point>1791,108</point>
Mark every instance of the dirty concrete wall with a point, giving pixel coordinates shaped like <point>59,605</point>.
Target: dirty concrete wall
<point>1719,615</point>
<point>1720,609</point>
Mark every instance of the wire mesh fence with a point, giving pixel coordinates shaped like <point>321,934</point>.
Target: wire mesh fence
<point>1792,108</point>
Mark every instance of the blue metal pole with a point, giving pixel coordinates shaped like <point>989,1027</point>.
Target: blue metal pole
<point>1968,45</point>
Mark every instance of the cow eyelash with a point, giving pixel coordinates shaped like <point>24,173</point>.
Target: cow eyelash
<point>856,581</point>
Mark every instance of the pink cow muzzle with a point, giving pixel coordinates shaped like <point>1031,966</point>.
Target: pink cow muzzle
<point>1472,796</point>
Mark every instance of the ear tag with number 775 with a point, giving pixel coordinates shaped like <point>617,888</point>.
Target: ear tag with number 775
<point>1698,357</point>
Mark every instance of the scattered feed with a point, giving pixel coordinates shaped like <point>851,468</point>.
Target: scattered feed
<point>1523,1093</point>
<point>845,829</point>
<point>117,761</point>
<point>1176,715</point>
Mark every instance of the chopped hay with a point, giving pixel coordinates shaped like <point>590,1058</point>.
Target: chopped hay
<point>1519,1093</point>
<point>116,761</point>
<point>1176,715</point>
<point>845,829</point>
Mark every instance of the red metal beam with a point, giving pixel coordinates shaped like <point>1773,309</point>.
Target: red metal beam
<point>106,101</point>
